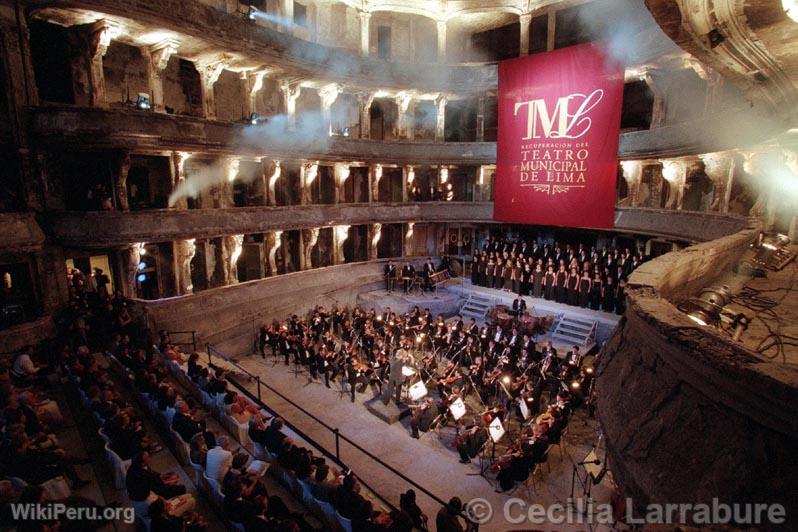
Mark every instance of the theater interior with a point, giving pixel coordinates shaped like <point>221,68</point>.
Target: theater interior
<point>267,265</point>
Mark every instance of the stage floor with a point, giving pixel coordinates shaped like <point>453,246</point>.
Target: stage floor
<point>430,461</point>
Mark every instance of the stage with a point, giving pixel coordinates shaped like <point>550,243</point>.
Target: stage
<point>430,461</point>
<point>442,301</point>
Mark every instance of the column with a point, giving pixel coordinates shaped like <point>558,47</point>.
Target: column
<point>407,240</point>
<point>291,92</point>
<point>287,12</point>
<point>524,19</point>
<point>441,41</point>
<point>89,43</point>
<point>365,17</point>
<point>552,27</point>
<point>406,111</point>
<point>271,168</point>
<point>327,95</point>
<point>272,242</point>
<point>440,117</point>
<point>658,111</point>
<point>406,172</point>
<point>178,176</point>
<point>184,251</point>
<point>341,174</point>
<point>309,239</point>
<point>252,83</point>
<point>717,167</point>
<point>364,101</point>
<point>481,118</point>
<point>157,57</point>
<point>121,182</point>
<point>209,75</point>
<point>307,174</point>
<point>375,174</point>
<point>675,172</point>
<point>633,173</point>
<point>340,234</point>
<point>374,235</point>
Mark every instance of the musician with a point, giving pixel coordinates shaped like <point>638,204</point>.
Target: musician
<point>514,467</point>
<point>390,276</point>
<point>422,417</point>
<point>263,340</point>
<point>351,376</point>
<point>473,329</point>
<point>408,274</point>
<point>470,443</point>
<point>519,306</point>
<point>514,342</point>
<point>427,272</point>
<point>396,377</point>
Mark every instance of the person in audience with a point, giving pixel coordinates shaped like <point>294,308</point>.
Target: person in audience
<point>141,480</point>
<point>407,503</point>
<point>198,452</point>
<point>184,423</point>
<point>448,518</point>
<point>347,501</point>
<point>323,484</point>
<point>219,459</point>
<point>275,440</point>
<point>161,520</point>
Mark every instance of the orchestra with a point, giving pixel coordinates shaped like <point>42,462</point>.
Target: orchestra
<point>501,368</point>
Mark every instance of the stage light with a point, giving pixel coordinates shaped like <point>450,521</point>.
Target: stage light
<point>254,118</point>
<point>506,379</point>
<point>771,251</point>
<point>418,339</point>
<point>142,265</point>
<point>143,102</point>
<point>252,13</point>
<point>575,385</point>
<point>141,277</point>
<point>589,371</point>
<point>379,318</point>
<point>706,308</point>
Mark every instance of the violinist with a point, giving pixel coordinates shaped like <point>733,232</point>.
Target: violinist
<point>470,442</point>
<point>514,466</point>
<point>422,417</point>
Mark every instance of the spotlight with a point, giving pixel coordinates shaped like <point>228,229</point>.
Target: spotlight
<point>771,251</point>
<point>575,385</point>
<point>254,118</point>
<point>141,277</point>
<point>143,102</point>
<point>252,13</point>
<point>142,265</point>
<point>706,308</point>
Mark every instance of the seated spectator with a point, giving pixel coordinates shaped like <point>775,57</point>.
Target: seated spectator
<point>199,450</point>
<point>219,459</point>
<point>448,518</point>
<point>322,484</point>
<point>25,372</point>
<point>407,502</point>
<point>184,423</point>
<point>141,480</point>
<point>275,440</point>
<point>161,520</point>
<point>347,500</point>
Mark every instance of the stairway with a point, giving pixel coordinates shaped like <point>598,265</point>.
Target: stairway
<point>476,306</point>
<point>574,331</point>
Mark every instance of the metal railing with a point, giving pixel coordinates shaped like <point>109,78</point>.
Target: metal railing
<point>186,343</point>
<point>212,351</point>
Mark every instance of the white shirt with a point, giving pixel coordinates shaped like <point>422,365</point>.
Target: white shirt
<point>218,461</point>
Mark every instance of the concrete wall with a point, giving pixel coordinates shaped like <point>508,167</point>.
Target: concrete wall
<point>687,413</point>
<point>230,316</point>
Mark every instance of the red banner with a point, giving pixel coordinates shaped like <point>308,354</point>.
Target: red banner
<point>557,149</point>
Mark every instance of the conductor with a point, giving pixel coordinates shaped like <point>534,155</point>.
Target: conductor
<point>396,377</point>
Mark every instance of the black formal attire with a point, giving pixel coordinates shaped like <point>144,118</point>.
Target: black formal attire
<point>390,276</point>
<point>537,283</point>
<point>408,273</point>
<point>560,290</point>
<point>519,307</point>
<point>584,292</point>
<point>186,426</point>
<point>572,293</point>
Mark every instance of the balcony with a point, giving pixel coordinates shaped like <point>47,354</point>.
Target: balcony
<point>113,228</point>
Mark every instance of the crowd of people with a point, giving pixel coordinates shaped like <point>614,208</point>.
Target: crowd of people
<point>567,274</point>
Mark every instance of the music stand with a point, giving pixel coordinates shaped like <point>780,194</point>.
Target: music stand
<point>524,408</point>
<point>593,468</point>
<point>457,409</point>
<point>417,391</point>
<point>298,369</point>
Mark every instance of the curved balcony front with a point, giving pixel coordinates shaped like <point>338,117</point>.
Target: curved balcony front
<point>113,228</point>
